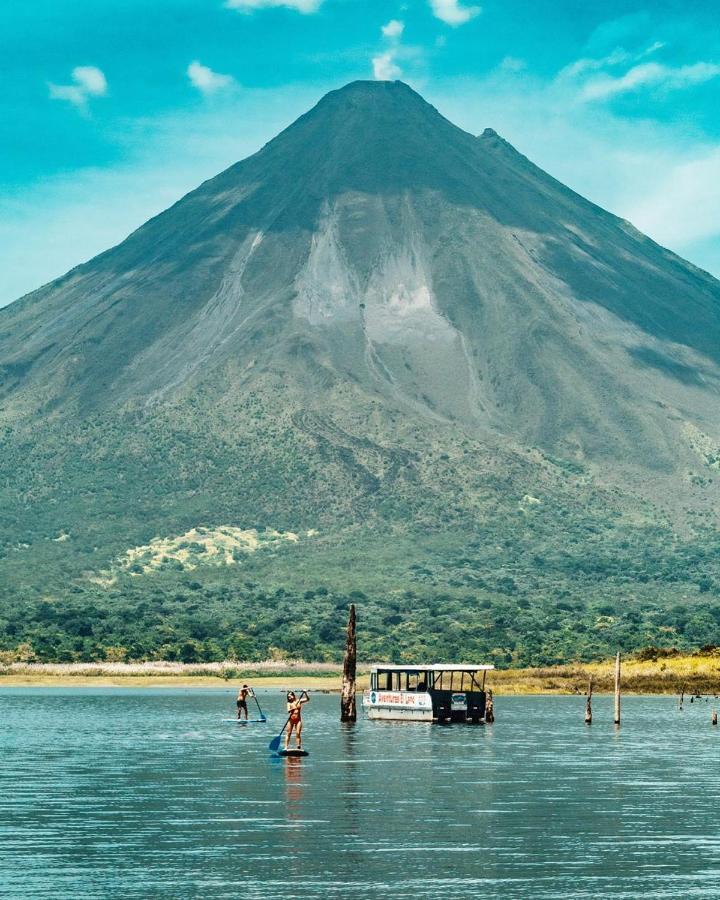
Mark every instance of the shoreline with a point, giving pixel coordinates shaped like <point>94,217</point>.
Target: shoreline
<point>195,682</point>
<point>697,674</point>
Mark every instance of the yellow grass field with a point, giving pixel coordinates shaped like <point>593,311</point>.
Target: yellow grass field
<point>668,675</point>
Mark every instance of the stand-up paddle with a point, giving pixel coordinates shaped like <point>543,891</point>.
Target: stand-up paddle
<point>274,744</point>
<point>262,714</point>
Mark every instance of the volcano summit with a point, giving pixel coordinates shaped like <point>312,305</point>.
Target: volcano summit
<point>441,370</point>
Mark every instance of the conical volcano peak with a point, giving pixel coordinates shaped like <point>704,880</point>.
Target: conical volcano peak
<point>369,104</point>
<point>375,137</point>
<point>390,93</point>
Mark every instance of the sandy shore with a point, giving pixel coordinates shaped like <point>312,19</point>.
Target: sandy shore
<point>699,674</point>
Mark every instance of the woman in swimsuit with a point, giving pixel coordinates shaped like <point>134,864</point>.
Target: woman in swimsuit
<point>294,708</point>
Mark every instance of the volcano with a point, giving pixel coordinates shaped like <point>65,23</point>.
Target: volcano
<point>379,323</point>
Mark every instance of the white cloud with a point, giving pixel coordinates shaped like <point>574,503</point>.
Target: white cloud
<point>393,29</point>
<point>618,57</point>
<point>91,79</point>
<point>384,67</point>
<point>88,81</point>
<point>302,6</point>
<point>452,13</point>
<point>653,48</point>
<point>682,206</point>
<point>205,80</point>
<point>591,79</point>
<point>648,75</point>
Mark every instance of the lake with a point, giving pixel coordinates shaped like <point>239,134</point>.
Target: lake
<point>146,793</point>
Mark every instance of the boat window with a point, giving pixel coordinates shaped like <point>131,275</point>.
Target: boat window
<point>384,681</point>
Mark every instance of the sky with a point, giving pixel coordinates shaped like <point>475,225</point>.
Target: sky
<point>111,111</point>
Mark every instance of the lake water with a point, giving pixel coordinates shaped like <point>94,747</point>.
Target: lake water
<point>125,794</point>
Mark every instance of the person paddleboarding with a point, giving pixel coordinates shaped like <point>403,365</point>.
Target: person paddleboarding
<point>294,723</point>
<point>242,696</point>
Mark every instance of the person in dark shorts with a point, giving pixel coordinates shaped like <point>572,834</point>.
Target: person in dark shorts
<point>242,696</point>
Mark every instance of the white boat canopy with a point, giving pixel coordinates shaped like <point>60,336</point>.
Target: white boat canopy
<point>436,667</point>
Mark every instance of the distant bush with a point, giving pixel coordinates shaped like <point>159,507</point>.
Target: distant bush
<point>653,654</point>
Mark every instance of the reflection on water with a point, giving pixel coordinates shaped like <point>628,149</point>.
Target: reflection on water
<point>293,770</point>
<point>137,794</point>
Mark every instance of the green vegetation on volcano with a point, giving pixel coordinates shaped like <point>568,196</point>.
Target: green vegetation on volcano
<point>464,552</point>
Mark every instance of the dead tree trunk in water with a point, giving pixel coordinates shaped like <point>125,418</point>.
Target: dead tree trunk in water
<point>714,717</point>
<point>348,710</point>
<point>617,688</point>
<point>588,703</point>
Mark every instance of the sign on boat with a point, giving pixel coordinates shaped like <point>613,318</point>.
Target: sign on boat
<point>437,693</point>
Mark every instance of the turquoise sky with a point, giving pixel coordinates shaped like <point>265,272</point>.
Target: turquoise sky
<point>111,111</point>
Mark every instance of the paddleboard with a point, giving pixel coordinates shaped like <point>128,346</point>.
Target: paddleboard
<point>293,753</point>
<point>246,721</point>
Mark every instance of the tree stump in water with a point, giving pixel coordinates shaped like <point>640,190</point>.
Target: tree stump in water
<point>617,688</point>
<point>489,709</point>
<point>348,709</point>
<point>588,703</point>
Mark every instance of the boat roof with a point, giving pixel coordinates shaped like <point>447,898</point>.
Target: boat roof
<point>436,667</point>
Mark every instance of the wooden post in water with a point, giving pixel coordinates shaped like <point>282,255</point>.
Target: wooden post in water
<point>588,703</point>
<point>714,717</point>
<point>617,688</point>
<point>348,709</point>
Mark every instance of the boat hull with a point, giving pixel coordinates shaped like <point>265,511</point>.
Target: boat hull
<point>400,715</point>
<point>400,706</point>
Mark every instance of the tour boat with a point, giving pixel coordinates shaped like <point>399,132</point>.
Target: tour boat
<point>438,693</point>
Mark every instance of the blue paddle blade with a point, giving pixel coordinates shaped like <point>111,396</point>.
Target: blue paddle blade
<point>274,744</point>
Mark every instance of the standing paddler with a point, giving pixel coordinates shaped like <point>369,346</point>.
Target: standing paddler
<point>242,696</point>
<point>294,723</point>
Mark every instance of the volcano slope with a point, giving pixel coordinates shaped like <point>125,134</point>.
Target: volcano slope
<point>381,359</point>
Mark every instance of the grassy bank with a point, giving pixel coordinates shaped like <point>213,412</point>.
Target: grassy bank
<point>699,673</point>
<point>696,674</point>
<point>316,676</point>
